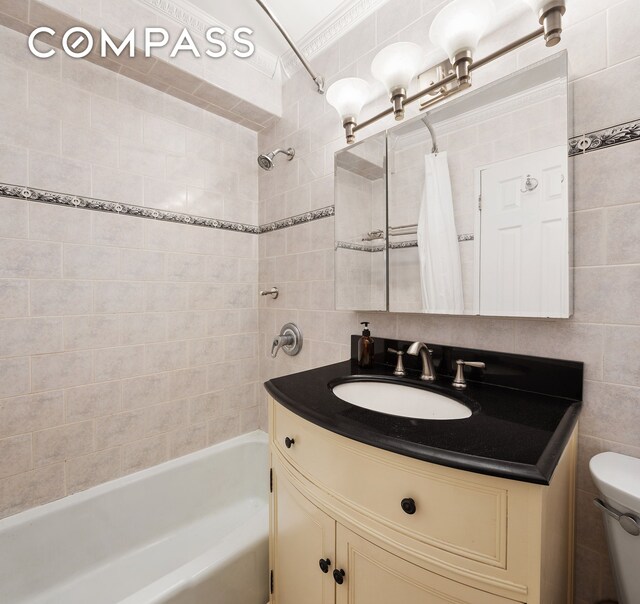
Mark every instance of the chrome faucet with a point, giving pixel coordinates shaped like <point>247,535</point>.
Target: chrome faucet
<point>428,371</point>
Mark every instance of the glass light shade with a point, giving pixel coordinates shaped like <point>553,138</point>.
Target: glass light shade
<point>460,25</point>
<point>536,5</point>
<point>397,64</point>
<point>348,96</point>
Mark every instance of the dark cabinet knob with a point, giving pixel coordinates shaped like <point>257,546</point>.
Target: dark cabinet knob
<point>338,576</point>
<point>324,565</point>
<point>408,506</point>
<point>288,442</point>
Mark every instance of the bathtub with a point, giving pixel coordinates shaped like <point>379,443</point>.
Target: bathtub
<point>190,531</point>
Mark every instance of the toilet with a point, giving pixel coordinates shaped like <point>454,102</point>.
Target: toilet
<point>618,480</point>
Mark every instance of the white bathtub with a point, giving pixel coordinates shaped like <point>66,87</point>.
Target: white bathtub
<point>190,531</point>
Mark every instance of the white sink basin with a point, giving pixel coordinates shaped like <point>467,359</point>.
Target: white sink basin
<point>402,400</point>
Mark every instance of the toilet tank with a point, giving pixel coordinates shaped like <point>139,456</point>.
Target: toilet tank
<point>617,477</point>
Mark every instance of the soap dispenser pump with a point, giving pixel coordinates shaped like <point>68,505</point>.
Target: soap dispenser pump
<point>365,347</point>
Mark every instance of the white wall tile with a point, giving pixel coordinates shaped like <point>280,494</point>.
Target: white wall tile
<point>59,100</point>
<point>121,231</point>
<point>23,337</point>
<point>59,174</point>
<point>163,135</point>
<point>30,259</point>
<point>145,391</point>
<point>23,491</point>
<point>95,400</point>
<point>53,223</point>
<point>92,331</point>
<point>143,328</point>
<point>58,444</point>
<point>111,118</point>
<point>117,363</point>
<point>20,127</point>
<point>117,185</point>
<point>50,298</point>
<point>14,168</point>
<point>93,469</point>
<point>62,370</point>
<point>623,24</point>
<point>90,262</point>
<point>14,218</point>
<point>140,265</point>
<point>118,297</point>
<point>15,455</point>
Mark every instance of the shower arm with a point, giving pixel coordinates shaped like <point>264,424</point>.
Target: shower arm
<point>318,79</point>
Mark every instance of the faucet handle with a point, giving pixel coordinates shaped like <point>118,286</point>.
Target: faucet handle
<point>399,370</point>
<point>459,381</point>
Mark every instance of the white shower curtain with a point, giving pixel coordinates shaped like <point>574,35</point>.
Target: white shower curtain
<point>438,247</point>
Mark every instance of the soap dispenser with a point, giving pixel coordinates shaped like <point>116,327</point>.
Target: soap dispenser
<point>365,347</point>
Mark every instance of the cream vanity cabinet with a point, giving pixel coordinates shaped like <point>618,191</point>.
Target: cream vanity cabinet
<point>388,528</point>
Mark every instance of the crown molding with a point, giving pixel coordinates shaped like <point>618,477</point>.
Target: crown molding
<point>338,23</point>
<point>199,21</point>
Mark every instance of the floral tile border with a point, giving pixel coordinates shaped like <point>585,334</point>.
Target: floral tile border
<point>607,137</point>
<point>325,212</point>
<point>101,205</point>
<point>359,247</point>
<point>398,245</point>
<point>88,203</point>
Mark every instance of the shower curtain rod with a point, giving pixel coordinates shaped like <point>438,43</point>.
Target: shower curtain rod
<point>434,147</point>
<point>318,79</point>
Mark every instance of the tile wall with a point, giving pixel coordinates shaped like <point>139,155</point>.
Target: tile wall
<point>123,341</point>
<point>605,330</point>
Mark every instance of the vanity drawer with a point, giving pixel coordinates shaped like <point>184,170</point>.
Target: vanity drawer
<point>458,512</point>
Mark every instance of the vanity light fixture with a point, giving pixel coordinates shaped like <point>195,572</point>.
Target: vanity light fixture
<point>457,29</point>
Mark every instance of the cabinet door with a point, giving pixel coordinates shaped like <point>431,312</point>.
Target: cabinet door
<point>302,535</point>
<point>374,576</point>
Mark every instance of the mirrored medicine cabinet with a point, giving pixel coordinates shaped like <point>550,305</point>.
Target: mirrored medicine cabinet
<point>465,209</point>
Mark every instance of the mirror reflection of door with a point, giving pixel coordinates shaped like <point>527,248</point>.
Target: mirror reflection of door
<point>523,246</point>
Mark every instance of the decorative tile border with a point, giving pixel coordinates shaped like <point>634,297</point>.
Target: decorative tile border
<point>101,205</point>
<point>359,247</point>
<point>88,203</point>
<point>398,245</point>
<point>602,139</point>
<point>325,212</point>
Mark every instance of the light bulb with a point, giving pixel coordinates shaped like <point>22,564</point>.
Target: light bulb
<point>536,5</point>
<point>459,26</point>
<point>348,96</point>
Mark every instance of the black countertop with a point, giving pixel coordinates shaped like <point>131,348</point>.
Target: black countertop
<point>512,433</point>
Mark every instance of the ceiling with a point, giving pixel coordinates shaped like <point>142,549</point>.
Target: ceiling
<point>299,18</point>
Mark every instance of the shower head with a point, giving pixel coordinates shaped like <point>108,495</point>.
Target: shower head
<point>265,161</point>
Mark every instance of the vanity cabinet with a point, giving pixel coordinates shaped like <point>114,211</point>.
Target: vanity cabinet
<point>405,530</point>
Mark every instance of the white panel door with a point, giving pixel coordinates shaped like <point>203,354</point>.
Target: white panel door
<point>524,244</point>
